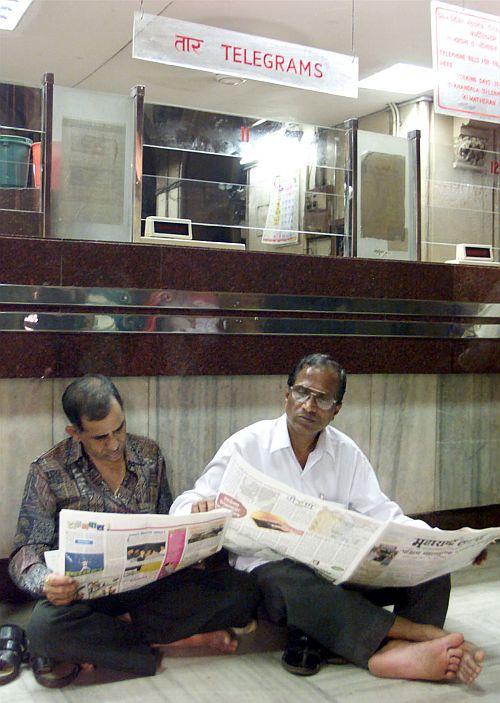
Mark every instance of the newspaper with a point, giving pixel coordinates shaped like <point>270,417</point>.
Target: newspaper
<point>110,553</point>
<point>272,521</point>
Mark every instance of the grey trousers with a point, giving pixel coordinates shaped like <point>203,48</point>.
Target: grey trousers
<point>346,620</point>
<point>175,607</point>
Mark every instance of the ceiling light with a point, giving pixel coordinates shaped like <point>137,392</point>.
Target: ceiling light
<point>11,12</point>
<point>401,78</point>
<point>278,148</point>
<point>230,80</point>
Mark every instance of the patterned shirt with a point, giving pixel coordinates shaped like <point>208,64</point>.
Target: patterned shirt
<point>65,477</point>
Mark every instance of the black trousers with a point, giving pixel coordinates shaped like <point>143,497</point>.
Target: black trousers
<point>175,607</point>
<point>346,620</point>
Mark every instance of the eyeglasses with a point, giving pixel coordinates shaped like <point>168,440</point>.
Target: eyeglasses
<point>301,394</point>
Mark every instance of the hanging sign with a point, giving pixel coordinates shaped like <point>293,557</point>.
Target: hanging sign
<point>205,48</point>
<point>466,61</point>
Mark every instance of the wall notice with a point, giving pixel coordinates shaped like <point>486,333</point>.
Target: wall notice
<point>282,220</point>
<point>466,61</point>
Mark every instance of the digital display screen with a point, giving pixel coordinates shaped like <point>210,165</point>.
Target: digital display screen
<point>177,228</point>
<point>478,252</point>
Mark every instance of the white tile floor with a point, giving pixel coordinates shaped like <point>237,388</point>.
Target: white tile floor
<point>259,678</point>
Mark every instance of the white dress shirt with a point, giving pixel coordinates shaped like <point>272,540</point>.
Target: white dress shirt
<point>336,470</point>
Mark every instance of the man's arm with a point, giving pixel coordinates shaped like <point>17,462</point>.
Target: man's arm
<point>202,497</point>
<point>366,496</point>
<point>34,536</point>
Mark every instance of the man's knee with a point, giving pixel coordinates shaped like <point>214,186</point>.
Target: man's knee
<point>273,598</point>
<point>241,589</point>
<point>49,625</point>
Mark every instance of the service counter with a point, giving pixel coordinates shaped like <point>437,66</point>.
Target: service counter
<point>373,316</point>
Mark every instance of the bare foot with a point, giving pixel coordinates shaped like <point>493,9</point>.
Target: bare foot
<point>435,660</point>
<point>471,664</point>
<point>404,629</point>
<point>125,617</point>
<point>219,640</point>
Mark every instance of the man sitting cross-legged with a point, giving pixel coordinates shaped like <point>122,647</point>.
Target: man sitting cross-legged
<point>102,468</point>
<point>301,449</point>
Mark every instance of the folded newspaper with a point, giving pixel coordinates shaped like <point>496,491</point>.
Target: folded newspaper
<point>109,553</point>
<point>272,521</point>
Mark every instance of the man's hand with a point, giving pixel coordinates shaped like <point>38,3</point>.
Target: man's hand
<point>204,506</point>
<point>482,556</point>
<point>59,589</point>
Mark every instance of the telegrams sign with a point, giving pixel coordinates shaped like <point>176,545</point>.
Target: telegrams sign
<point>216,50</point>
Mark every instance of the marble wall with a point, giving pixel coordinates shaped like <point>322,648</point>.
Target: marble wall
<point>434,440</point>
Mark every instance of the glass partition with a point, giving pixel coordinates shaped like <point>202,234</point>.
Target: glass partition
<point>462,204</point>
<point>262,184</point>
<point>273,186</point>
<point>92,157</point>
<point>385,203</point>
<point>20,160</point>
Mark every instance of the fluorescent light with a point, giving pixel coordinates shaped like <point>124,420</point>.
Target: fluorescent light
<point>401,78</point>
<point>276,148</point>
<point>11,12</point>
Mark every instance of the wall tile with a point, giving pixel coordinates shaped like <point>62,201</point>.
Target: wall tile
<point>136,398</point>
<point>30,261</point>
<point>27,355</point>
<point>25,433</point>
<point>354,416</point>
<point>197,414</point>
<point>111,264</point>
<point>403,433</point>
<point>279,273</point>
<point>468,441</point>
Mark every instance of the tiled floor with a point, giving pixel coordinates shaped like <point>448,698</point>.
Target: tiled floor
<point>259,678</point>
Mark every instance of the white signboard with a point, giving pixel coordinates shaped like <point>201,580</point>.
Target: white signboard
<point>204,48</point>
<point>466,60</point>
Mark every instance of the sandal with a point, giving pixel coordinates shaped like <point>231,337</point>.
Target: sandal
<point>13,651</point>
<point>44,670</point>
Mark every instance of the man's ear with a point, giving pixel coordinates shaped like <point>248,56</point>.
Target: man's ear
<point>337,409</point>
<point>73,432</point>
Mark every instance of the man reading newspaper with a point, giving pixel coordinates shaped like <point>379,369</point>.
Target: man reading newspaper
<point>102,468</point>
<point>302,450</point>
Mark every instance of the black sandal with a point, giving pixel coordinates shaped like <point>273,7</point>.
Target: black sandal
<point>43,670</point>
<point>13,652</point>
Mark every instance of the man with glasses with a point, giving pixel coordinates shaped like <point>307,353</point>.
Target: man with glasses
<point>328,622</point>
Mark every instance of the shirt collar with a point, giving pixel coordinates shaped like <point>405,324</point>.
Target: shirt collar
<point>132,456</point>
<point>326,443</point>
<point>75,450</point>
<point>281,439</point>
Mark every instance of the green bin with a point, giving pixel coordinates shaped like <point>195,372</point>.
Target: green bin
<point>14,161</point>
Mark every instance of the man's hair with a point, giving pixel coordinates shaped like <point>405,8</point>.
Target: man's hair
<point>320,360</point>
<point>90,397</point>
